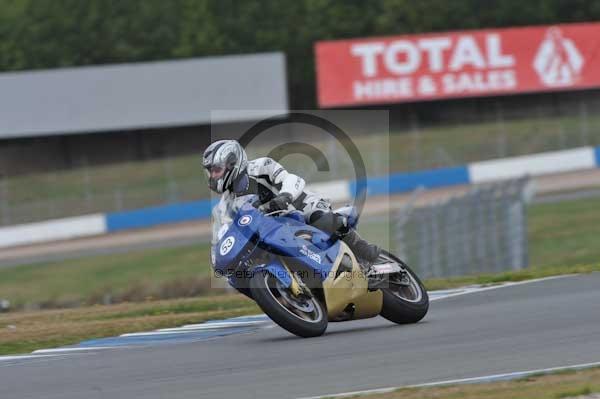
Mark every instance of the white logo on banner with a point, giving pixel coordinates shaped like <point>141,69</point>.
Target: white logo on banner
<point>558,62</point>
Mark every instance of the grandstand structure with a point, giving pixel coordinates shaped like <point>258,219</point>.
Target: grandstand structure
<point>72,117</point>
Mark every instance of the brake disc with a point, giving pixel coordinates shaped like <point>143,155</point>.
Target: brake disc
<point>301,304</point>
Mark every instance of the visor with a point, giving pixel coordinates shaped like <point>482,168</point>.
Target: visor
<point>215,171</point>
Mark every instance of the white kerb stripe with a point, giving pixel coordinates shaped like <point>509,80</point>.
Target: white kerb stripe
<point>52,230</point>
<point>535,165</point>
<point>21,357</point>
<point>69,350</point>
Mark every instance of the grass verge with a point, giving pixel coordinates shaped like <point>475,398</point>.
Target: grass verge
<point>565,233</point>
<point>23,332</point>
<point>513,276</point>
<point>569,384</point>
<point>163,273</point>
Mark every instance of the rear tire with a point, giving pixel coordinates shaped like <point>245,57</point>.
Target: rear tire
<point>400,310</point>
<point>268,294</point>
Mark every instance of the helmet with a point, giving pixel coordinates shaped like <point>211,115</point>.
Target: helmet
<point>225,162</point>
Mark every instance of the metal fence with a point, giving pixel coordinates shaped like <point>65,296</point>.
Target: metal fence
<point>116,199</point>
<point>482,231</point>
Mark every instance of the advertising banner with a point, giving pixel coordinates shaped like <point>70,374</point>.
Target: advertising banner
<point>474,63</point>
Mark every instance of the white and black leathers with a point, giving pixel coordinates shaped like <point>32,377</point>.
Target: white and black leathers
<point>267,179</point>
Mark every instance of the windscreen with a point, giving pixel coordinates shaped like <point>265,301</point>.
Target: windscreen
<point>224,213</point>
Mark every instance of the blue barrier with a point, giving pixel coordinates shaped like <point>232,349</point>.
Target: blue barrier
<point>384,185</point>
<point>395,183</point>
<point>148,217</point>
<point>403,182</point>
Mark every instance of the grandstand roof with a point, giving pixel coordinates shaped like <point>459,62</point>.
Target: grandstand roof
<point>141,95</point>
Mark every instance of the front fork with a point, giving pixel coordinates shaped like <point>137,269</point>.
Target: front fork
<point>286,277</point>
<point>295,287</point>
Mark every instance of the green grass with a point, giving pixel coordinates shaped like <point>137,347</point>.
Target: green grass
<point>512,276</point>
<point>23,332</point>
<point>138,184</point>
<point>570,384</point>
<point>131,276</point>
<point>565,233</point>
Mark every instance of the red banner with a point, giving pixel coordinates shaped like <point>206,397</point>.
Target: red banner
<point>458,64</point>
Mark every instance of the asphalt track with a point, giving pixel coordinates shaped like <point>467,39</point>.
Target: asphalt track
<point>542,324</point>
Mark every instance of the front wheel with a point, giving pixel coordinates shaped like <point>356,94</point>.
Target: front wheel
<point>302,316</point>
<point>405,299</point>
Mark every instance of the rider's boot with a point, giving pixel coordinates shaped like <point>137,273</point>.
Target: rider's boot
<point>338,225</point>
<point>363,250</point>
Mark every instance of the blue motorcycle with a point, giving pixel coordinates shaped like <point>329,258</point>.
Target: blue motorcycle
<point>303,278</point>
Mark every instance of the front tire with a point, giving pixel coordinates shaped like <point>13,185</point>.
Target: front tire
<point>304,317</point>
<point>404,304</point>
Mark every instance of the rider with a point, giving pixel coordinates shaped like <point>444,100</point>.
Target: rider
<point>231,174</point>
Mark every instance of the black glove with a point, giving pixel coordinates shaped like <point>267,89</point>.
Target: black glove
<point>279,203</point>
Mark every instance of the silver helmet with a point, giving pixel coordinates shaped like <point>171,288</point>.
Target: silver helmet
<point>224,161</point>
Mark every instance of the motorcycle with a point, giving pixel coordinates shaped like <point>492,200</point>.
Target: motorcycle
<point>303,278</point>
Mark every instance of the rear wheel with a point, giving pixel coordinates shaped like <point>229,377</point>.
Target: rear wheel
<point>405,299</point>
<point>303,316</point>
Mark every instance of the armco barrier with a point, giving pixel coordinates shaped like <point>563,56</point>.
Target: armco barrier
<point>338,191</point>
<point>153,216</point>
<point>53,230</point>
<point>195,210</point>
<point>403,182</point>
<point>534,165</point>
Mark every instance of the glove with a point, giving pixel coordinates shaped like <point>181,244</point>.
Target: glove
<point>279,203</point>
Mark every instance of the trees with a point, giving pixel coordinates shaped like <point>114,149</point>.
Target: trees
<point>57,33</point>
